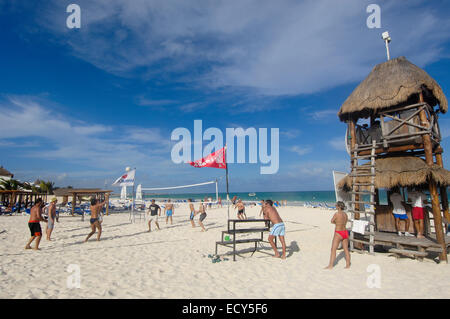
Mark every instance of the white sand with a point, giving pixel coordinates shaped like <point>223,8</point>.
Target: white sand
<point>173,262</point>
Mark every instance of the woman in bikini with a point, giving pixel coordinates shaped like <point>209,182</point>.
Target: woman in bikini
<point>340,234</point>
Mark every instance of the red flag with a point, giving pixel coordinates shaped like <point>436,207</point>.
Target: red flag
<point>216,160</point>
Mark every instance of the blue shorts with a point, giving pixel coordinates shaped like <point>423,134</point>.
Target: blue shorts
<point>169,212</point>
<point>192,216</point>
<point>401,216</point>
<point>278,230</point>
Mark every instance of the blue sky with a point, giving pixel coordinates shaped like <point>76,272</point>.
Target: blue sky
<point>79,105</point>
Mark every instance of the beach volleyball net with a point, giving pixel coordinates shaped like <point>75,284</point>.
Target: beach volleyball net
<point>153,189</point>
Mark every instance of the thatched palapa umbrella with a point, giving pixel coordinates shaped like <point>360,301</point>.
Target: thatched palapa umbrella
<point>390,84</point>
<point>406,171</point>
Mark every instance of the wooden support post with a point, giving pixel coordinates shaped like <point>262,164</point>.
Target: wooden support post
<point>437,219</point>
<point>352,130</point>
<point>107,203</point>
<point>20,204</point>
<point>422,250</point>
<point>432,186</point>
<point>443,190</point>
<point>74,203</point>
<point>13,200</point>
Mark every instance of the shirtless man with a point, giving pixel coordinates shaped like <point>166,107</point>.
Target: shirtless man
<point>155,211</point>
<point>34,225</point>
<point>202,212</point>
<point>51,217</point>
<point>262,213</point>
<point>169,210</point>
<point>192,210</point>
<point>95,224</point>
<point>340,219</point>
<point>278,228</point>
<point>241,210</point>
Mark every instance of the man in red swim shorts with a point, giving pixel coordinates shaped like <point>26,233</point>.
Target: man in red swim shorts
<point>418,198</point>
<point>34,225</point>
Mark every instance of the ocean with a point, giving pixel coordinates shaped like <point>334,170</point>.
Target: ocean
<point>293,198</point>
<point>298,198</point>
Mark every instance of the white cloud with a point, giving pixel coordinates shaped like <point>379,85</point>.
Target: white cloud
<point>81,143</point>
<point>444,125</point>
<point>300,150</point>
<point>143,101</point>
<point>324,114</point>
<point>291,133</point>
<point>192,107</point>
<point>338,143</point>
<point>319,168</point>
<point>273,47</point>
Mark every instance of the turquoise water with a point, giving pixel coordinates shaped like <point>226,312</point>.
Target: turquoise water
<point>293,198</point>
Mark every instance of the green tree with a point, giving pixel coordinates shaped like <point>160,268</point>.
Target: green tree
<point>10,184</point>
<point>47,187</point>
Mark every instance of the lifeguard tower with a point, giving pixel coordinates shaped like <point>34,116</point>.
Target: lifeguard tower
<point>393,139</point>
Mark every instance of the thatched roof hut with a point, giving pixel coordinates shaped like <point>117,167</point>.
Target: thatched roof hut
<point>406,171</point>
<point>5,173</point>
<point>393,83</point>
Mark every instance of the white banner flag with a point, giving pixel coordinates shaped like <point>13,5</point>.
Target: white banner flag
<point>126,179</point>
<point>341,195</point>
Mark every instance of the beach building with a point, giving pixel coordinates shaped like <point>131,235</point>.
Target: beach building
<point>17,200</point>
<point>5,174</point>
<point>78,195</point>
<point>393,138</point>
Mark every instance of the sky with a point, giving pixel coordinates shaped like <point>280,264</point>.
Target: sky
<point>77,106</point>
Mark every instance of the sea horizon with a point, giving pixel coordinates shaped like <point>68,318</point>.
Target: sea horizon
<point>292,197</point>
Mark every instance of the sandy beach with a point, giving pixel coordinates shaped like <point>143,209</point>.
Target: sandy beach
<point>173,262</point>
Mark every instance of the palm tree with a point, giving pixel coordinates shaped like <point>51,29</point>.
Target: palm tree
<point>10,184</point>
<point>47,187</point>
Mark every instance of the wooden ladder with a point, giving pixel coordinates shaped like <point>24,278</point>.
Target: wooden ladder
<point>366,169</point>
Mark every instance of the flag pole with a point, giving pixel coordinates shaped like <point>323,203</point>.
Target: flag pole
<point>132,203</point>
<point>217,192</point>
<point>226,172</point>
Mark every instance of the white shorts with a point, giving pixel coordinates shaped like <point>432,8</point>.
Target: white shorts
<point>154,217</point>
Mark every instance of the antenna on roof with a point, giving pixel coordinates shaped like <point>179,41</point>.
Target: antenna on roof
<point>387,39</point>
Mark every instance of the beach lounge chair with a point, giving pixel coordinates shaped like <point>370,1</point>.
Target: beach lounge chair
<point>78,211</point>
<point>314,205</point>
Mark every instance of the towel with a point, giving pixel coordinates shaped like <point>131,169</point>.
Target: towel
<point>359,226</point>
